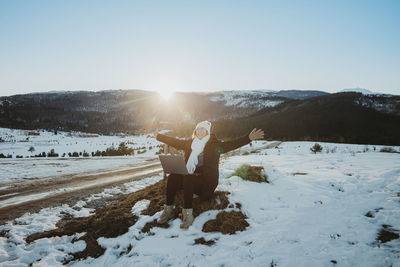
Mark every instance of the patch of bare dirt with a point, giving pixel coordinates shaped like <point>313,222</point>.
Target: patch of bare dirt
<point>3,233</point>
<point>227,223</point>
<point>372,214</point>
<point>387,233</point>
<point>202,241</point>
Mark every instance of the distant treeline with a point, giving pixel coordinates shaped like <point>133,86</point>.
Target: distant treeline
<point>122,150</point>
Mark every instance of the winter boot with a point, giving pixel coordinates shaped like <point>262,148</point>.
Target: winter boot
<point>167,214</point>
<point>187,218</point>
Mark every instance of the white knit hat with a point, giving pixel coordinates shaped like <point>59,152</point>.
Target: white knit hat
<point>205,124</point>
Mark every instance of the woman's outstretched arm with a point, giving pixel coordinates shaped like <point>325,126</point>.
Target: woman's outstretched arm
<point>241,141</point>
<point>177,143</point>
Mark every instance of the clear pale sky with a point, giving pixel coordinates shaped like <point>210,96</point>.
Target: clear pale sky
<point>199,45</point>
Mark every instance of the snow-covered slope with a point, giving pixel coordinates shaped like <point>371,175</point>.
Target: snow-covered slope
<point>245,99</point>
<point>313,213</point>
<point>381,103</point>
<point>359,90</point>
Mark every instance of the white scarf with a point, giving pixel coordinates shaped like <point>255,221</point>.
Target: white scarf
<point>197,148</point>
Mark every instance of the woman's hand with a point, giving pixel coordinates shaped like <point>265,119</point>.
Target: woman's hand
<point>256,134</point>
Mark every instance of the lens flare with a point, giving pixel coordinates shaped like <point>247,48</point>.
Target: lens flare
<point>166,94</point>
<point>151,124</point>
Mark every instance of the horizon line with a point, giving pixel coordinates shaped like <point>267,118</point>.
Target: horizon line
<point>191,91</point>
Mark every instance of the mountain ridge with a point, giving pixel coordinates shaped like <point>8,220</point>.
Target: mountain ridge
<point>135,111</point>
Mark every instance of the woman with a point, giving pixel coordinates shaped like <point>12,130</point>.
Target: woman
<point>202,154</point>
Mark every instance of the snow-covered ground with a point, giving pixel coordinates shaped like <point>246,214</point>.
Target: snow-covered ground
<point>15,143</point>
<point>18,142</point>
<point>311,214</point>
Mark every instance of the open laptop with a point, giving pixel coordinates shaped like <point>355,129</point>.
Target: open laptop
<point>174,164</point>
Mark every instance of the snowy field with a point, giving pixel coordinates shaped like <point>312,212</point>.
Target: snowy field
<point>311,214</point>
<point>15,143</point>
<point>18,142</point>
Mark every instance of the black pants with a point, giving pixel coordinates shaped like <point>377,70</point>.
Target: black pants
<point>190,184</point>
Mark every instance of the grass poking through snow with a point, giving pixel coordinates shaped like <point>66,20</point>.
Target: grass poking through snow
<point>251,173</point>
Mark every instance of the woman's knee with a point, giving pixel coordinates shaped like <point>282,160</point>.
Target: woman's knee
<point>174,181</point>
<point>207,191</point>
<point>206,194</point>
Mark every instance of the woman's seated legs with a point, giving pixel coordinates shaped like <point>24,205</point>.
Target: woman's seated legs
<point>188,187</point>
<point>190,184</point>
<point>196,185</point>
<point>174,183</point>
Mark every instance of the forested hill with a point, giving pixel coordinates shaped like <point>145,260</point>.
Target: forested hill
<point>342,117</point>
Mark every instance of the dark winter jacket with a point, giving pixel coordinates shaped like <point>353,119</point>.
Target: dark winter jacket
<point>211,153</point>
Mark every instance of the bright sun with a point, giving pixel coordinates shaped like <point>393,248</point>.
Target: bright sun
<point>166,94</point>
